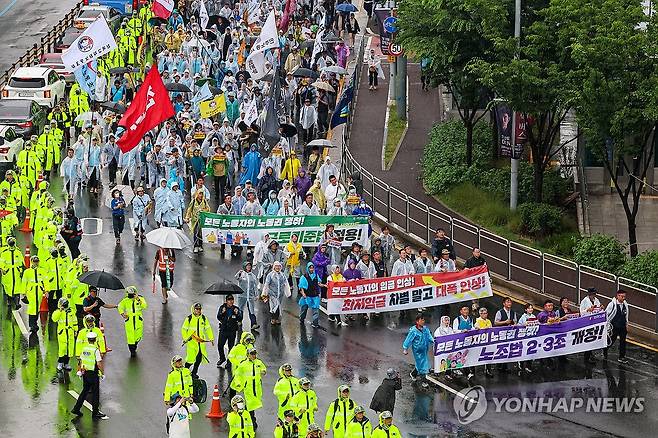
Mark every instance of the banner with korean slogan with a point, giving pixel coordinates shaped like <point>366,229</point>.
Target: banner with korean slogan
<point>95,41</point>
<point>520,342</point>
<point>249,230</point>
<point>407,291</point>
<point>213,107</point>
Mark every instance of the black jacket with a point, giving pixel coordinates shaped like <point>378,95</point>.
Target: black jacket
<point>439,245</point>
<point>229,319</point>
<point>474,262</point>
<point>384,398</point>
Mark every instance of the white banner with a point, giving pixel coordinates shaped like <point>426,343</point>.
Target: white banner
<point>317,47</point>
<point>257,65</point>
<point>268,38</point>
<point>251,112</point>
<point>404,292</point>
<point>520,342</point>
<point>95,41</point>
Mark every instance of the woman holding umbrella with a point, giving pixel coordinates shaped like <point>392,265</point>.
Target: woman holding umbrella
<point>198,204</point>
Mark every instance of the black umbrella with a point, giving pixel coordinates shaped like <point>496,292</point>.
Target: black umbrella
<point>215,91</point>
<point>288,130</point>
<point>242,126</point>
<point>177,86</point>
<point>245,74</point>
<point>223,288</point>
<point>101,279</point>
<point>304,73</point>
<point>122,70</point>
<point>116,107</point>
<point>200,82</point>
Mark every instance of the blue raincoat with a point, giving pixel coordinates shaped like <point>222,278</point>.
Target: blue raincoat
<point>250,166</point>
<point>420,342</point>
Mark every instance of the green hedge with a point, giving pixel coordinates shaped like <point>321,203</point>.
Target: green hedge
<point>600,251</point>
<point>539,220</point>
<point>642,268</point>
<point>443,166</point>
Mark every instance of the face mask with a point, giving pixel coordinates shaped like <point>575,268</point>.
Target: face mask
<point>240,406</point>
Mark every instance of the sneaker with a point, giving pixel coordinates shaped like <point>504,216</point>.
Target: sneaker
<point>118,241</point>
<point>60,366</point>
<point>77,413</point>
<point>315,326</point>
<point>470,376</point>
<point>622,360</point>
<point>425,385</point>
<point>100,416</point>
<point>196,250</point>
<point>528,370</point>
<point>221,365</point>
<point>343,324</point>
<point>458,373</point>
<point>412,375</point>
<point>255,326</point>
<point>67,367</point>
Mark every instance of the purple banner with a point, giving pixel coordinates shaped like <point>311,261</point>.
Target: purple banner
<point>519,342</point>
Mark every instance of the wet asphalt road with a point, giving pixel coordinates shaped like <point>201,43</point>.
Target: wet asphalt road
<point>25,22</point>
<point>33,399</point>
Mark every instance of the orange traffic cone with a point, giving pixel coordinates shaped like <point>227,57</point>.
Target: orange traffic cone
<point>26,258</point>
<point>43,307</point>
<point>216,406</point>
<point>107,348</point>
<point>26,223</point>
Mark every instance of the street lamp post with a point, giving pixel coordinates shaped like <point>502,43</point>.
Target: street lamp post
<point>514,162</point>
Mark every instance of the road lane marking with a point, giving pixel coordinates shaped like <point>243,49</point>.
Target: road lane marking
<point>8,7</point>
<point>21,324</point>
<point>173,294</point>
<point>86,404</point>
<point>450,389</point>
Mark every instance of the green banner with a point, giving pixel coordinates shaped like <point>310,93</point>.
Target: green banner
<point>248,230</point>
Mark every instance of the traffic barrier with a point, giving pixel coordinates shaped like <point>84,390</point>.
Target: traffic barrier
<point>26,257</point>
<point>216,406</point>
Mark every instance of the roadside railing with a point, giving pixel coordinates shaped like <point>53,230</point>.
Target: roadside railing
<point>545,274</point>
<point>47,45</point>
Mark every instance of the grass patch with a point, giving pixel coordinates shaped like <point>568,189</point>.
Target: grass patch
<point>492,212</point>
<point>394,134</point>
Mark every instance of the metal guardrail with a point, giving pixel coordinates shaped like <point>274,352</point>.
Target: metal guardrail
<point>545,274</point>
<point>47,45</point>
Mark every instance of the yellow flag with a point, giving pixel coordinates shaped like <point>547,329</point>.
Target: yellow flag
<point>213,107</point>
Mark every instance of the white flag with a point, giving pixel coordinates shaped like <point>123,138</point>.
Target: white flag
<point>268,38</point>
<point>257,65</point>
<point>253,12</point>
<point>203,94</point>
<point>317,46</point>
<point>251,112</point>
<point>95,41</point>
<point>203,15</point>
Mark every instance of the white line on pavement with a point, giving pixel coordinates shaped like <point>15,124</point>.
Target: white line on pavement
<point>449,389</point>
<point>75,395</point>
<point>21,324</point>
<point>172,293</point>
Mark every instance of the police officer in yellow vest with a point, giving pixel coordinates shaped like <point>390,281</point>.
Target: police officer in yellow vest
<point>33,289</point>
<point>128,47</point>
<point>89,322</point>
<point>91,370</point>
<point>196,331</point>
<point>179,380</point>
<point>131,308</point>
<point>67,325</point>
<point>239,420</point>
<point>11,264</point>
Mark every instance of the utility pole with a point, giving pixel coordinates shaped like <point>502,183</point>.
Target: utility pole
<point>401,94</point>
<point>514,162</point>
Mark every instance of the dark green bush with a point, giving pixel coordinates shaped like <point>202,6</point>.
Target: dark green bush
<point>600,251</point>
<point>539,220</point>
<point>642,268</point>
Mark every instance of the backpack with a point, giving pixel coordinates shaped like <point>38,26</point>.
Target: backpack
<point>200,390</point>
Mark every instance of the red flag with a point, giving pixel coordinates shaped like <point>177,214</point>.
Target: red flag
<point>162,8</point>
<point>150,107</point>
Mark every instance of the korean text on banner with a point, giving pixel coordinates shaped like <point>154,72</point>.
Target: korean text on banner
<point>248,230</point>
<point>519,342</point>
<point>95,41</point>
<point>407,291</point>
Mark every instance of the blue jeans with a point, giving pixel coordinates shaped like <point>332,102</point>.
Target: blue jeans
<point>315,312</point>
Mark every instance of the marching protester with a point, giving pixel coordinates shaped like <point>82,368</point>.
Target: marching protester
<point>617,313</point>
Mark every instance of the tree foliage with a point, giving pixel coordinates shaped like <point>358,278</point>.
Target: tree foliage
<point>600,251</point>
<point>451,35</point>
<point>643,268</point>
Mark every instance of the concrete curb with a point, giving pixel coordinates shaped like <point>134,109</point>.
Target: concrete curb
<point>404,133</point>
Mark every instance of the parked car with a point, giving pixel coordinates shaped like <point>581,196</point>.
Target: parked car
<point>25,116</point>
<point>54,61</point>
<point>67,38</point>
<point>124,7</point>
<point>89,14</point>
<point>38,83</point>
<point>10,145</point>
